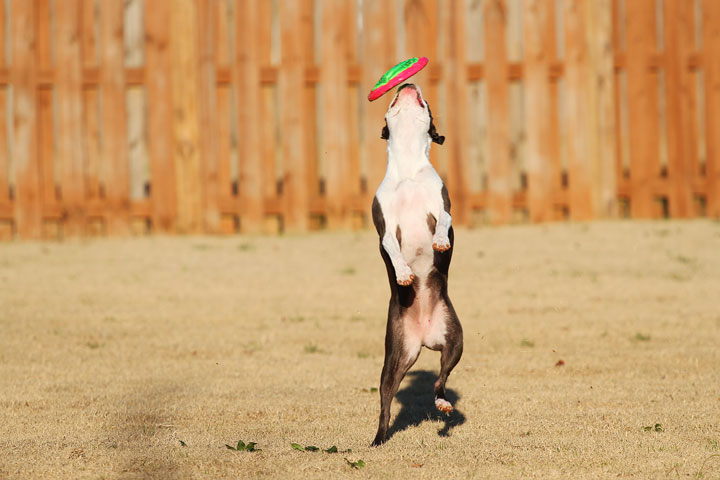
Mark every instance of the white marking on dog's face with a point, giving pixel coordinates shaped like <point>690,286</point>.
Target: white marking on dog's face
<point>408,113</point>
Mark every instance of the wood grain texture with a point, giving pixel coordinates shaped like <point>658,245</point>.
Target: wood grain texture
<point>115,179</point>
<point>711,59</point>
<point>499,195</point>
<point>252,30</point>
<point>581,114</point>
<point>69,98</point>
<point>678,36</point>
<point>335,106</point>
<point>27,204</point>
<point>539,42</point>
<point>295,17</point>
<point>207,18</point>
<point>186,150</point>
<point>160,117</point>
<point>642,107</point>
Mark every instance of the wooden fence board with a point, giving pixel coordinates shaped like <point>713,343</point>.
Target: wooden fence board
<point>4,149</point>
<point>642,107</point>
<point>599,22</point>
<point>457,98</point>
<point>539,41</point>
<point>580,114</point>
<point>186,151</point>
<point>335,106</point>
<point>207,26</point>
<point>115,179</point>
<point>294,18</point>
<point>70,119</point>
<point>499,203</point>
<point>27,204</point>
<point>91,139</point>
<point>252,30</point>
<point>678,45</point>
<point>379,55</point>
<point>711,61</point>
<point>160,126</point>
<point>89,42</point>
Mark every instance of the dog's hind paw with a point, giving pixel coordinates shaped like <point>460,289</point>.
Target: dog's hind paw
<point>443,405</point>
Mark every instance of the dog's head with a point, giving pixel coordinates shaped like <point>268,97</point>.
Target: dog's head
<point>409,116</point>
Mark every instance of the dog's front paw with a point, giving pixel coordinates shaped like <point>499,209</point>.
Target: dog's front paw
<point>441,243</point>
<point>404,276</point>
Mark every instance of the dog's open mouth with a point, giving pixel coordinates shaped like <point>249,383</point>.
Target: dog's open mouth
<point>417,95</point>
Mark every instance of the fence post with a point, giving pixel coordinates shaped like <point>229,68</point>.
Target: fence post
<point>379,55</point>
<point>539,44</point>
<point>496,73</point>
<point>70,118</point>
<point>295,17</point>
<point>580,114</point>
<point>642,106</point>
<point>711,59</point>
<point>678,34</point>
<point>335,107</point>
<point>113,120</point>
<point>207,90</point>
<point>23,79</point>
<point>185,75</point>
<point>249,26</point>
<point>456,121</point>
<point>599,22</point>
<point>163,196</point>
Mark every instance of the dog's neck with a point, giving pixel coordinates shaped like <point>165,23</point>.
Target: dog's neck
<point>407,155</point>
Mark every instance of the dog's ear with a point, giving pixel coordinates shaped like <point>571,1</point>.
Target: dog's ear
<point>439,139</point>
<point>385,135</point>
<point>432,131</point>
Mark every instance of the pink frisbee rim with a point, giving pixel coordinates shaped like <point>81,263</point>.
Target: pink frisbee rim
<point>397,79</point>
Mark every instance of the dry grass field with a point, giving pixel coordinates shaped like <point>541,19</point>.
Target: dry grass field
<point>591,351</point>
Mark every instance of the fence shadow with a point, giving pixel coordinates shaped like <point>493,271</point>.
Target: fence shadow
<point>418,405</point>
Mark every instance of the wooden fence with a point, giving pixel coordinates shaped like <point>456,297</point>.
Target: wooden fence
<point>136,116</point>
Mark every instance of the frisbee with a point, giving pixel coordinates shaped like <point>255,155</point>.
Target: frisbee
<point>396,75</point>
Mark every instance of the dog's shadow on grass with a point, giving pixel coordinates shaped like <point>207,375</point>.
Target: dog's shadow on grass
<point>418,405</point>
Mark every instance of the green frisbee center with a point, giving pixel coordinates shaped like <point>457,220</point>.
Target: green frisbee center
<point>394,71</point>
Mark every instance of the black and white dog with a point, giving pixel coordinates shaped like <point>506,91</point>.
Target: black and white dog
<point>411,212</point>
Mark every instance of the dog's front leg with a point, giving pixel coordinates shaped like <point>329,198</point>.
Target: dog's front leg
<point>441,238</point>
<point>403,273</point>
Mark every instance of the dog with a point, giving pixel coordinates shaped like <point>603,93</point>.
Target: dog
<point>411,213</point>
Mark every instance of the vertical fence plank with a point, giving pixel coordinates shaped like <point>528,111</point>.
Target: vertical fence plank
<point>538,41</point>
<point>294,18</point>
<point>642,106</point>
<point>335,107</point>
<point>249,25</point>
<point>23,75</point>
<point>160,125</point>
<point>70,118</point>
<point>4,151</point>
<point>184,54</point>
<point>89,42</point>
<point>678,34</point>
<point>116,178</point>
<point>378,55</point>
<point>207,21</point>
<point>457,121</point>
<point>599,21</point>
<point>579,112</point>
<point>711,59</point>
<point>499,200</point>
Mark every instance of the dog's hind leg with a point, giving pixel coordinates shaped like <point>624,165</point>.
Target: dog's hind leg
<point>400,354</point>
<point>449,357</point>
